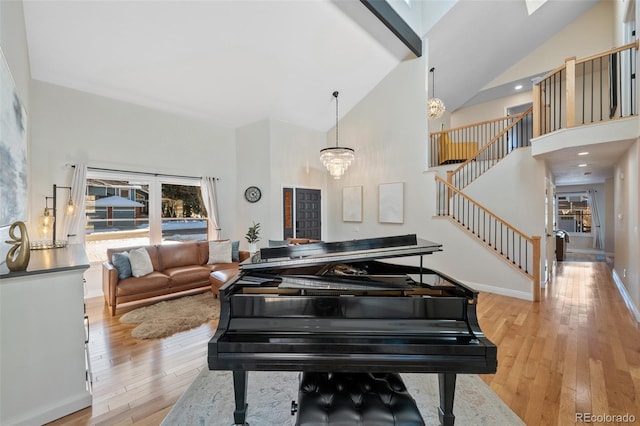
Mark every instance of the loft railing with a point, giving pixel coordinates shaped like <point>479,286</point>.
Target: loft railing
<point>456,145</point>
<point>517,134</point>
<point>460,144</point>
<point>585,91</point>
<point>519,250</point>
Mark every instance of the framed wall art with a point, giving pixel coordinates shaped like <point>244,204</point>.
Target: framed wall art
<point>352,204</point>
<point>391,202</point>
<point>13,150</point>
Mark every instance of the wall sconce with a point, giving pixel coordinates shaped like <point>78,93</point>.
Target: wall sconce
<point>47,220</point>
<point>70,210</point>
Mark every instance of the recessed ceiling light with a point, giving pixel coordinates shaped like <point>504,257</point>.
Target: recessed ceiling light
<point>584,153</point>
<point>582,165</point>
<point>518,87</point>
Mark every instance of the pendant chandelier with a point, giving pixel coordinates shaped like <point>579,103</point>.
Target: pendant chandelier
<point>337,159</point>
<point>435,106</point>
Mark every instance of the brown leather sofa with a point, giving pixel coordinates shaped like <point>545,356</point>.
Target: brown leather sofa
<point>176,268</point>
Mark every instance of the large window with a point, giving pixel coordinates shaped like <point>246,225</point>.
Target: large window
<point>183,214</point>
<point>126,210</point>
<point>574,212</point>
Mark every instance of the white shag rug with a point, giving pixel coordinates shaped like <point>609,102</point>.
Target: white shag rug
<point>209,400</point>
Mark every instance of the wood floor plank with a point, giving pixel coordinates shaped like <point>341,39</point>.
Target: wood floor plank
<point>576,351</point>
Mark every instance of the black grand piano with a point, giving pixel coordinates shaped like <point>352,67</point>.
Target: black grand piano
<point>339,307</point>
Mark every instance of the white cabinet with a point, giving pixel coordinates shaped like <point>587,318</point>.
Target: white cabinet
<point>43,359</point>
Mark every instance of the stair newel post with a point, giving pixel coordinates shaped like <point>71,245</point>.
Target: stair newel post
<point>537,116</point>
<point>570,66</point>
<point>449,191</point>
<point>535,242</point>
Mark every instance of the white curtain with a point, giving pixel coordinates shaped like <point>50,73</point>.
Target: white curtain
<point>595,220</point>
<point>73,225</point>
<point>209,197</point>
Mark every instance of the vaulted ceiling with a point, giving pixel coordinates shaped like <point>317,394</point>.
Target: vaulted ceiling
<point>237,62</point>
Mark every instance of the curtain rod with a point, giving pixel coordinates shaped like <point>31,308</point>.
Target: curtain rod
<point>140,173</point>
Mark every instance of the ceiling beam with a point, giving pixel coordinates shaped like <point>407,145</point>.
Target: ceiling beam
<point>390,18</point>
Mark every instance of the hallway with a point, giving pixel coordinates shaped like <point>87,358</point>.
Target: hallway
<point>577,351</point>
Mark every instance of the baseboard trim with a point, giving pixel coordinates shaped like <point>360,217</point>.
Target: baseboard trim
<point>54,410</point>
<point>501,291</point>
<point>625,296</point>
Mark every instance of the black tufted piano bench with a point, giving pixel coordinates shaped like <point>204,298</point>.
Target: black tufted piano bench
<point>352,399</point>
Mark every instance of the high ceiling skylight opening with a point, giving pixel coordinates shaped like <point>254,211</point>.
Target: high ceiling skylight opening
<point>533,5</point>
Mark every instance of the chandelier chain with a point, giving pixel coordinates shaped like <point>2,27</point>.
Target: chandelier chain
<point>335,95</point>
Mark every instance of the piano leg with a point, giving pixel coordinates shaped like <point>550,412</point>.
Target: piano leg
<point>447,384</point>
<point>240,393</point>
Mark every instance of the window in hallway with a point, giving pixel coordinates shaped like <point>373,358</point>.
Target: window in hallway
<point>574,212</point>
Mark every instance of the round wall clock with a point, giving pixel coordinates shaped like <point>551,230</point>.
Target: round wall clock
<point>252,194</point>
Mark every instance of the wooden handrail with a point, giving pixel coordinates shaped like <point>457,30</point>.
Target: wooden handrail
<point>534,241</point>
<point>462,194</point>
<point>608,52</point>
<point>468,126</point>
<point>563,109</point>
<point>590,58</point>
<point>493,140</point>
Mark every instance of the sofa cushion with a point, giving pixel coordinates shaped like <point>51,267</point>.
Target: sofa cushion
<point>176,255</point>
<point>187,274</point>
<point>222,266</point>
<point>140,285</point>
<point>219,252</point>
<point>140,262</point>
<point>123,265</point>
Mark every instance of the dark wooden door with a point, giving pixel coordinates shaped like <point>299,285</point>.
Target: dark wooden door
<point>308,223</point>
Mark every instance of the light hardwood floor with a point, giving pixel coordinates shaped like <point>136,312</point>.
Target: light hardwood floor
<point>577,351</point>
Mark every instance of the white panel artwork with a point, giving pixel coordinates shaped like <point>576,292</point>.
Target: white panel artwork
<point>391,202</point>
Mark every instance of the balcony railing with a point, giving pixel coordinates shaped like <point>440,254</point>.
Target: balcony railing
<point>585,91</point>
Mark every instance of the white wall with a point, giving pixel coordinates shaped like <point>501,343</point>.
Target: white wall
<point>295,162</point>
<point>272,154</point>
<point>627,218</point>
<point>591,33</point>
<point>488,110</point>
<point>13,42</point>
<point>72,127</point>
<point>388,130</point>
<point>253,169</point>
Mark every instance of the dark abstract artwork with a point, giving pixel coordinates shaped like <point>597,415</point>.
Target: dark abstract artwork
<point>13,151</point>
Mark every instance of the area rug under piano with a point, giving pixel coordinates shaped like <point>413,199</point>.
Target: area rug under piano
<point>209,400</point>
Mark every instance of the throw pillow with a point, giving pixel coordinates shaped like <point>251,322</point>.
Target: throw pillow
<point>219,252</point>
<point>140,262</point>
<point>235,251</point>
<point>122,264</point>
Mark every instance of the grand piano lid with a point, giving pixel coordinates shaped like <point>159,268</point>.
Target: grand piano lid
<point>340,251</point>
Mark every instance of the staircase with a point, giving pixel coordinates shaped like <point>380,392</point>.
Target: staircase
<point>494,140</point>
<point>580,92</point>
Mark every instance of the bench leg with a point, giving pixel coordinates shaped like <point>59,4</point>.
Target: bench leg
<point>447,384</point>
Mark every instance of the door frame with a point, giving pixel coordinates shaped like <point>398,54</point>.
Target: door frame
<point>323,213</point>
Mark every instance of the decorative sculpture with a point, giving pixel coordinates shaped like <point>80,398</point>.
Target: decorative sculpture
<point>18,255</point>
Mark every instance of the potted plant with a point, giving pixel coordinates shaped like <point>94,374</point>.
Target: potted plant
<point>253,236</point>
